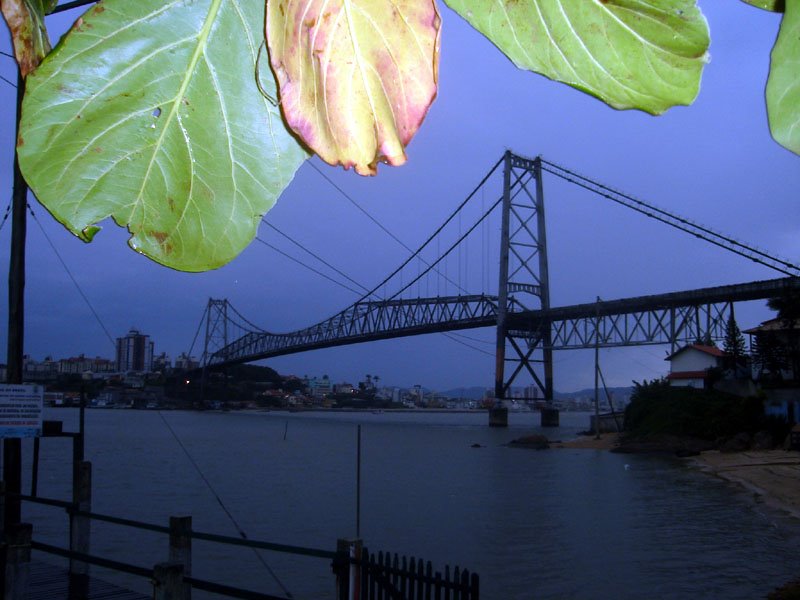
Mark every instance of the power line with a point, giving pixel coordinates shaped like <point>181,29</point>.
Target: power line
<point>239,529</point>
<point>457,341</point>
<point>14,85</point>
<point>5,216</point>
<point>474,339</point>
<point>310,268</point>
<point>319,258</point>
<point>74,281</point>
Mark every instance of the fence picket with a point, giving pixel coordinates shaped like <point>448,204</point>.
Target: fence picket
<point>396,574</point>
<point>382,593</point>
<point>421,583</point>
<point>429,580</point>
<point>387,576</point>
<point>474,587</point>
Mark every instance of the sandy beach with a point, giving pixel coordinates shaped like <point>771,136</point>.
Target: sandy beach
<point>773,475</point>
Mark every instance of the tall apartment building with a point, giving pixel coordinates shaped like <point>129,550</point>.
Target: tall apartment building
<point>135,352</point>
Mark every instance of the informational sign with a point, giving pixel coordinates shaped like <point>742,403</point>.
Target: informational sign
<point>21,410</point>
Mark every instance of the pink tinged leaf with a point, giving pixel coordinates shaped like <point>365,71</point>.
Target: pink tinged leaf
<point>356,77</point>
<point>25,20</point>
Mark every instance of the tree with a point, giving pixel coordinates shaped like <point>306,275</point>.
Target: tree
<point>788,307</point>
<point>190,160</point>
<point>769,354</point>
<point>734,345</point>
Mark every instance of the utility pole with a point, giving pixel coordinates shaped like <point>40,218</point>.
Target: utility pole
<point>597,371</point>
<point>12,447</point>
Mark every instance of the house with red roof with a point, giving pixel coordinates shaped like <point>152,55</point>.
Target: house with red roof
<point>691,365</point>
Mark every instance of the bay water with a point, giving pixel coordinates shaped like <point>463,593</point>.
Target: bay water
<point>444,487</point>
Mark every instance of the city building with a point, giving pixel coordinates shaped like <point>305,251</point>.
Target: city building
<point>184,362</point>
<point>162,363</point>
<point>134,352</point>
<point>319,388</point>
<point>82,364</point>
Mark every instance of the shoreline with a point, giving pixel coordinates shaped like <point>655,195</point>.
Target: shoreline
<point>773,476</point>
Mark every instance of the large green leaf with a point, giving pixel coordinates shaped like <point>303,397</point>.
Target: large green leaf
<point>356,77</point>
<point>645,54</point>
<point>783,85</point>
<point>148,112</point>
<point>25,20</point>
<point>772,5</point>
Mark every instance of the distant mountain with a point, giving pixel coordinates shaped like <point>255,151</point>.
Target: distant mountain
<point>473,393</point>
<point>615,391</point>
<point>477,392</point>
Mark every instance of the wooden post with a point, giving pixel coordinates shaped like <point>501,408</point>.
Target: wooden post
<point>79,525</point>
<point>348,574</point>
<point>168,581</point>
<point>2,509</point>
<point>180,548</point>
<point>18,561</point>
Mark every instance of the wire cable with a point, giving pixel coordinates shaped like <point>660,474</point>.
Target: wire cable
<point>14,85</point>
<point>77,285</point>
<point>319,258</point>
<point>394,237</point>
<point>686,225</point>
<point>5,216</point>
<point>310,268</point>
<point>238,527</point>
<point>197,333</point>
<point>457,341</point>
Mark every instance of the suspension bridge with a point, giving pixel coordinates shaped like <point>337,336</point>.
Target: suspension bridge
<point>528,328</point>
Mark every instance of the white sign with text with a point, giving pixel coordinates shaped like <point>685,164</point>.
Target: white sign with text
<point>21,410</point>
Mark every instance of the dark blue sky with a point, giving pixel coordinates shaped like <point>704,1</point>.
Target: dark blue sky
<point>713,162</point>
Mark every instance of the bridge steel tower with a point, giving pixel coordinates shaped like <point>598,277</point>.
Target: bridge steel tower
<point>216,335</point>
<point>216,327</point>
<point>523,284</point>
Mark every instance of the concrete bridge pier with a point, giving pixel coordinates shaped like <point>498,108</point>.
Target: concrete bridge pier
<point>498,415</point>
<point>549,416</point>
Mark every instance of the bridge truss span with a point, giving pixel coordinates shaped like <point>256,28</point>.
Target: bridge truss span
<point>643,327</point>
<point>366,321</point>
<point>673,318</point>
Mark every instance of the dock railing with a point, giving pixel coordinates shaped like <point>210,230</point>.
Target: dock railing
<point>359,574</point>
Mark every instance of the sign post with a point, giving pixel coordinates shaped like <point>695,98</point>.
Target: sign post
<point>21,410</point>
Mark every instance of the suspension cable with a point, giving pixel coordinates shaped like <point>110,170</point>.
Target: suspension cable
<point>437,231</point>
<point>683,224</point>
<point>197,333</point>
<point>453,246</point>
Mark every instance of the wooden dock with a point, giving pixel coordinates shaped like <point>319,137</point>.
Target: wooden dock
<point>49,581</point>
